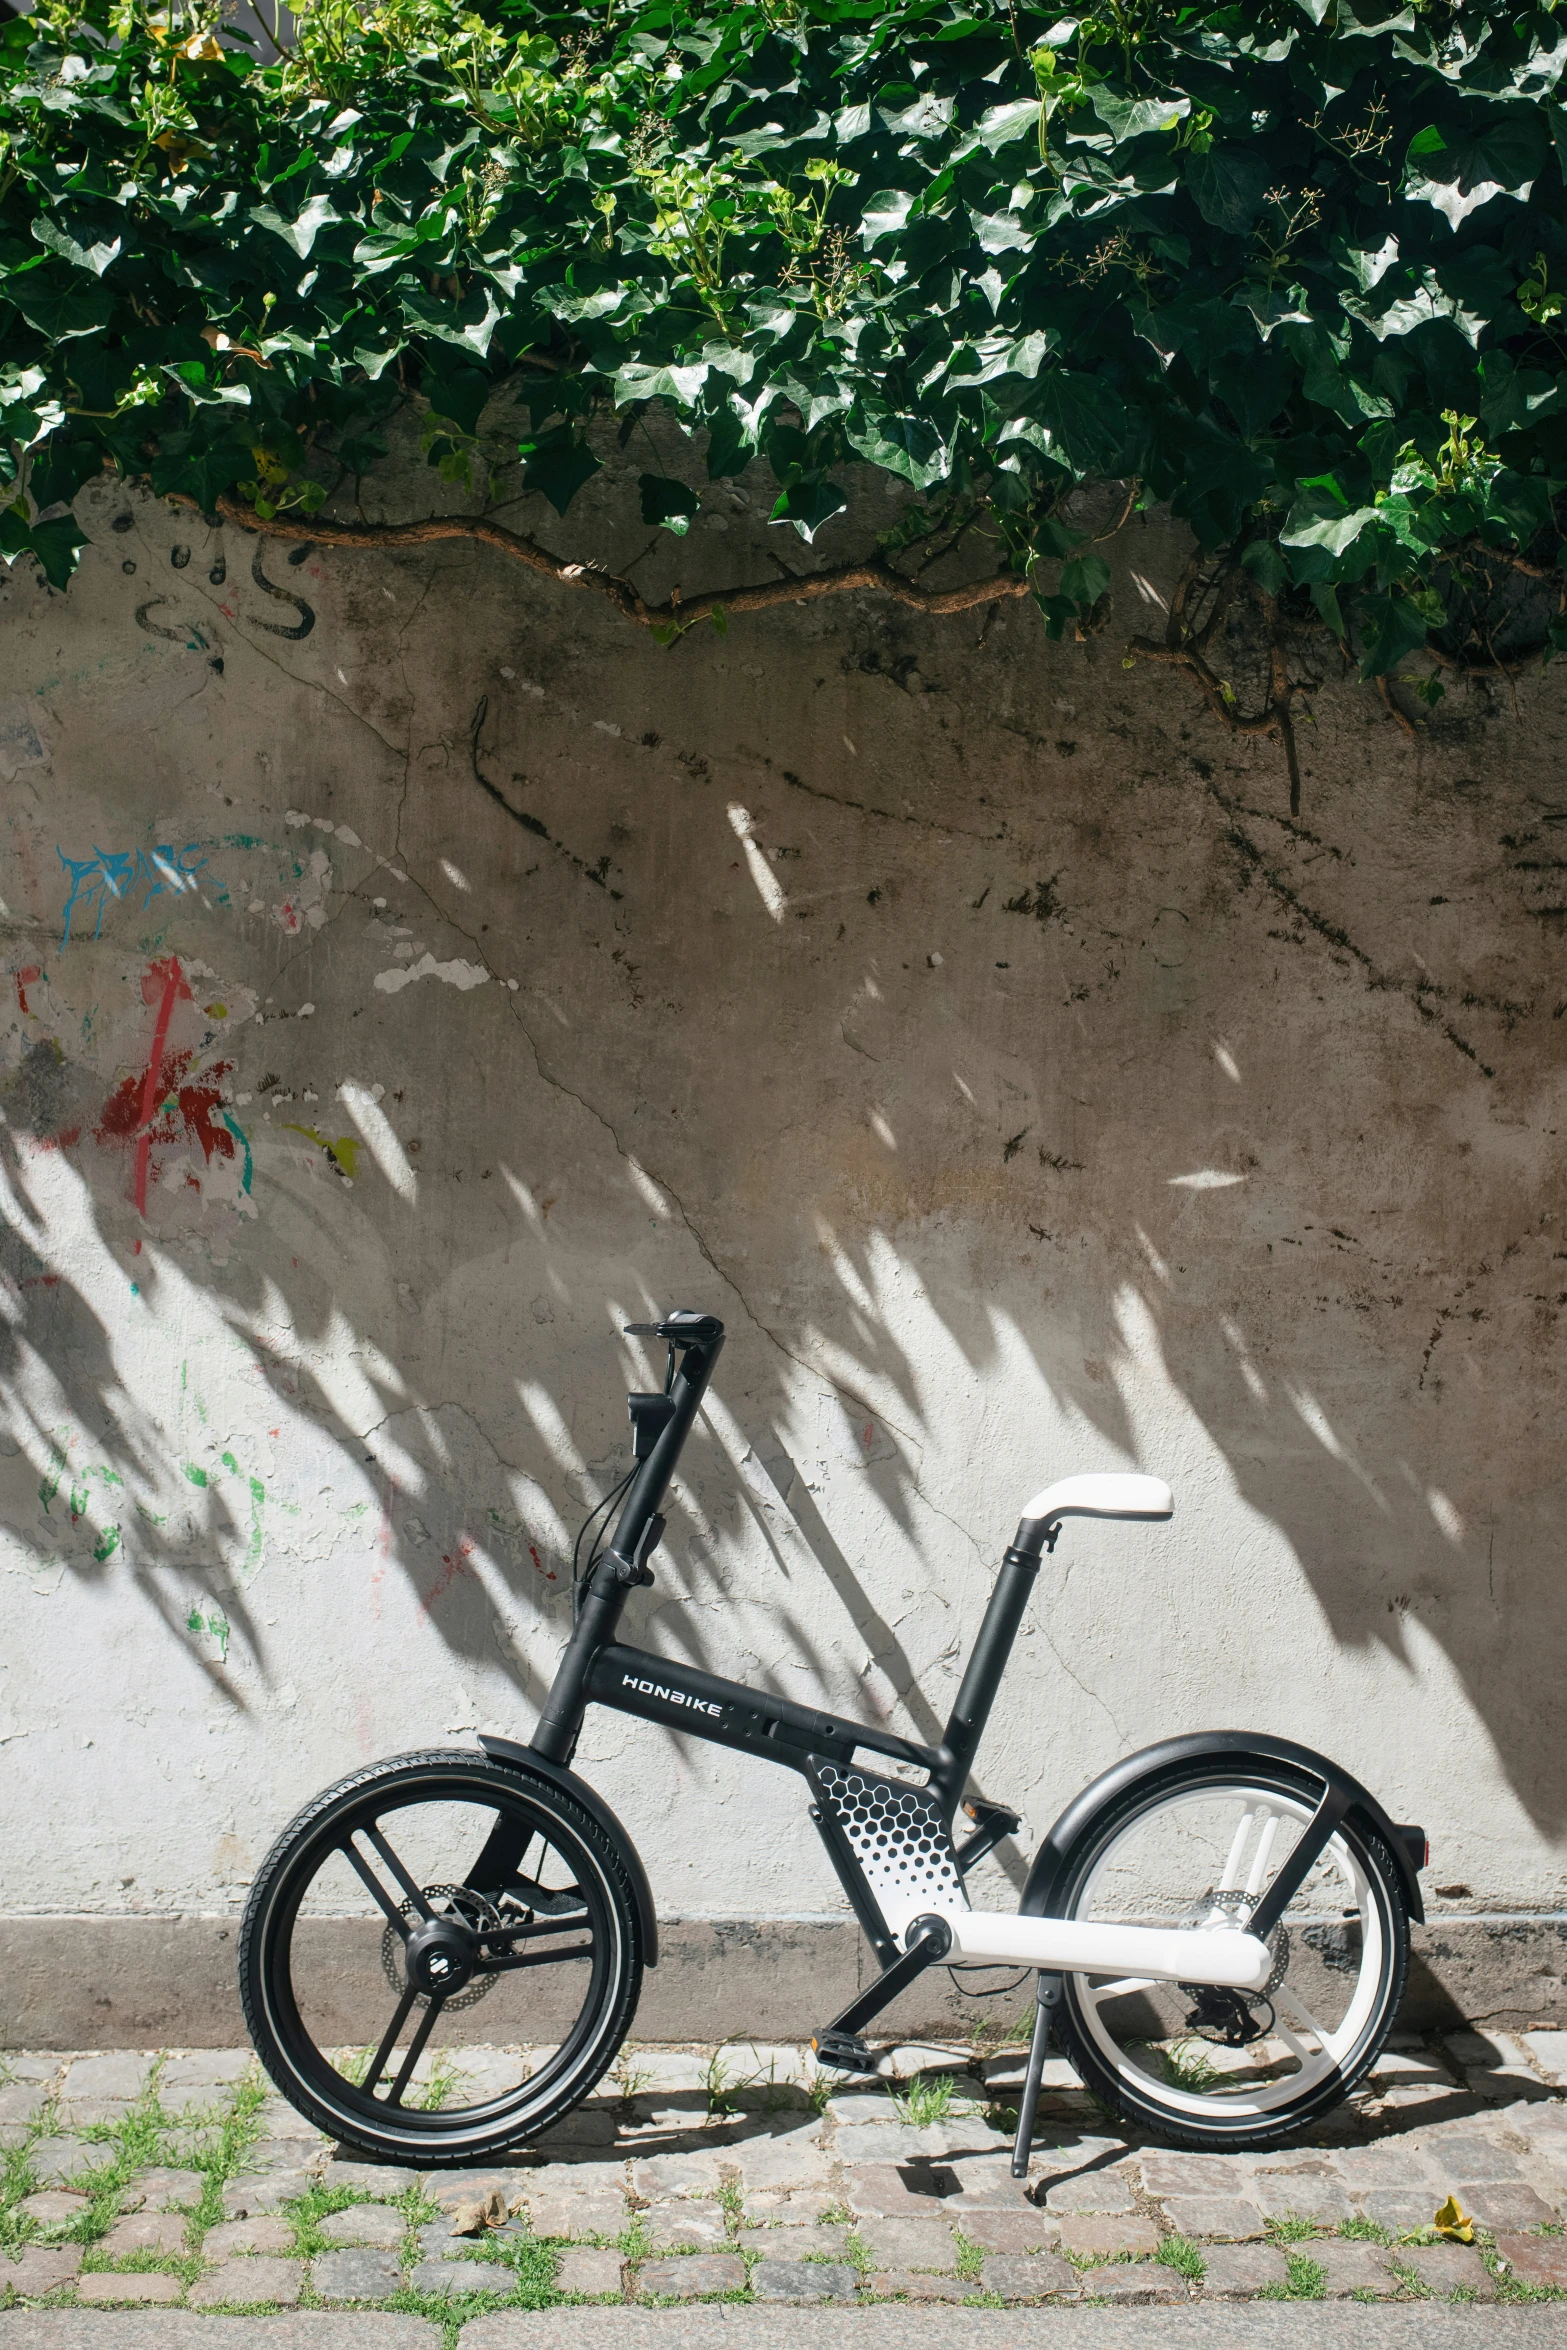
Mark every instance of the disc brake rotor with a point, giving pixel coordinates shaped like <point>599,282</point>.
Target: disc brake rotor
<point>1226,2016</point>
<point>459,1901</point>
<point>1240,1906</point>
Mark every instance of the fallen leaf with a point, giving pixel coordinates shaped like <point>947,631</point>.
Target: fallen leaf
<point>471,2219</point>
<point>1454,2222</point>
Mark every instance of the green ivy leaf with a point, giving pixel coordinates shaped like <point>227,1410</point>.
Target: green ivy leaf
<point>1392,627</point>
<point>61,307</point>
<point>808,505</point>
<point>557,465</point>
<point>1458,177</point>
<point>1085,579</point>
<point>1323,517</point>
<point>667,502</point>
<point>1227,185</point>
<point>95,258</point>
<point>57,545</point>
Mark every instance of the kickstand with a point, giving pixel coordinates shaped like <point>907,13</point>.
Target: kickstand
<point>1047,1998</point>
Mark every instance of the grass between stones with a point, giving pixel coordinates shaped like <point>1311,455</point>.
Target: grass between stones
<point>513,2269</point>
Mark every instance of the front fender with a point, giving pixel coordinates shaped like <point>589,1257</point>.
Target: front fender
<point>506,1750</point>
<point>1041,1893</point>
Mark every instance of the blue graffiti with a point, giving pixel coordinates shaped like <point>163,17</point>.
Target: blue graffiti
<point>111,874</point>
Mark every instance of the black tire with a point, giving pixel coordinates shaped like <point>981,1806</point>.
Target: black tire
<point>1369,1944</point>
<point>292,1968</point>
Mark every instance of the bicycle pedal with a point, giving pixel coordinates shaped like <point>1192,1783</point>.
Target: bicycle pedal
<point>846,2052</point>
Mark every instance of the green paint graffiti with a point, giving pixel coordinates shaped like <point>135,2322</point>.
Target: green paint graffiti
<point>196,1623</point>
<point>241,1137</point>
<point>343,1153</point>
<point>53,1473</point>
<point>107,1544</point>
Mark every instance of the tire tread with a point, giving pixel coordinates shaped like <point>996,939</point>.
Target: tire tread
<point>431,2153</point>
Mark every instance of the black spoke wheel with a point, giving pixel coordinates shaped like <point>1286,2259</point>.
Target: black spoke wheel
<point>440,1956</point>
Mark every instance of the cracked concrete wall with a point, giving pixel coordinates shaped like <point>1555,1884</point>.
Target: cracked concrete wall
<point>415,972</point>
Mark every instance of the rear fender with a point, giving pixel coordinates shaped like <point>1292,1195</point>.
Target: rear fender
<point>523,1758</point>
<point>1043,1892</point>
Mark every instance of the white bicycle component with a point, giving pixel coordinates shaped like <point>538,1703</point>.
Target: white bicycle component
<point>1110,1496</point>
<point>1208,1850</point>
<point>1067,1946</point>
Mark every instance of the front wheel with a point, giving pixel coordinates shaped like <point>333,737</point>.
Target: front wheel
<point>440,1957</point>
<point>1198,1845</point>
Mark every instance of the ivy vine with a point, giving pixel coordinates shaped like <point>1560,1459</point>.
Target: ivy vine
<point>1296,269</point>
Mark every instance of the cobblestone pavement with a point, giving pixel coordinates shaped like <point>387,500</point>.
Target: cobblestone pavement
<point>137,2181</point>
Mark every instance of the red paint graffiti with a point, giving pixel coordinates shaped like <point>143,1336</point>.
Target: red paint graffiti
<point>165,1105</point>
<point>28,977</point>
<point>547,1572</point>
<point>451,1567</point>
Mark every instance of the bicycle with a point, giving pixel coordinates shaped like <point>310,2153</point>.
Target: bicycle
<point>1218,1926</point>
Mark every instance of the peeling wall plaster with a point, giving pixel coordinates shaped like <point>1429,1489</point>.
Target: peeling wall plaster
<point>1027,1092</point>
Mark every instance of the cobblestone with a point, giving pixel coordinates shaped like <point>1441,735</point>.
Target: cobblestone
<point>911,2284</point>
<point>57,2161</point>
<point>163,2189</point>
<point>233,2236</point>
<point>1509,2205</point>
<point>576,2215</point>
<point>1238,2271</point>
<point>883,2191</point>
<point>40,2271</point>
<point>378,2180</point>
<point>1400,2208</point>
<point>1222,2216</point>
<point>1447,2268</point>
<point>796,2243</point>
<point>691,2279</point>
<point>1483,2118</point>
<point>909,2243</point>
<point>670,2175</point>
<point>54,2207</point>
<point>1101,2236</point>
<point>1309,2195</point>
<point>1038,2276</point>
<point>1353,2268</point>
<point>146,2286</point>
<point>1194,2174</point>
<point>380,2224</point>
<point>354,2276</point>
<point>146,2231</point>
<point>268,2191</point>
<point>243,2281</point>
<point>589,2272</point>
<point>1024,2230</point>
<point>121,2075</point>
<point>686,2227</point>
<point>1535,2260</point>
<point>457,2276</point>
<point>802,2280</point>
<point>1143,2280</point>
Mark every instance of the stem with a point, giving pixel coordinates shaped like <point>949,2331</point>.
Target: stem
<point>841,579</point>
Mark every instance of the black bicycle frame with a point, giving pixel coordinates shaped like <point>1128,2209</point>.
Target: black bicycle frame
<point>597,1670</point>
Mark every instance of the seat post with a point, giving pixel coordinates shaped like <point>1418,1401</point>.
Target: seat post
<point>987,1662</point>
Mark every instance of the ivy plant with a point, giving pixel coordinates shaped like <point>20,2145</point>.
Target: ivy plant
<point>1295,268</point>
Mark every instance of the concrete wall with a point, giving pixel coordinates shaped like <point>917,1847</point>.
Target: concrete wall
<point>958,1015</point>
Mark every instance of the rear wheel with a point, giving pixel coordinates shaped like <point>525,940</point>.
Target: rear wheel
<point>440,1957</point>
<point>1198,1846</point>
